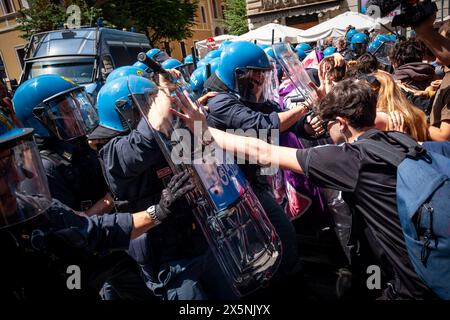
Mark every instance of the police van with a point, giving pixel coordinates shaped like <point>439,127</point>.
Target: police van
<point>85,55</point>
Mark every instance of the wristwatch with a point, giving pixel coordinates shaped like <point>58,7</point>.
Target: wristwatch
<point>151,211</point>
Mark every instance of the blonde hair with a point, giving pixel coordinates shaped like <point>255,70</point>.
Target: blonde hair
<point>391,98</point>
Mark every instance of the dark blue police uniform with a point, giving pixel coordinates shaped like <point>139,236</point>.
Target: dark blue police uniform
<point>175,260</point>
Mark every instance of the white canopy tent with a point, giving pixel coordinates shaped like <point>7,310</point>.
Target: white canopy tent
<point>202,46</point>
<point>264,34</point>
<point>337,26</point>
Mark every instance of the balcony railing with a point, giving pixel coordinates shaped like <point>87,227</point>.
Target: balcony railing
<point>255,7</point>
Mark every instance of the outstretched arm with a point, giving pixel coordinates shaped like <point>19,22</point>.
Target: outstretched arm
<point>265,154</point>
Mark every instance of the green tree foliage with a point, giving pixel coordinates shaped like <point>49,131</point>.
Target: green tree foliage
<point>42,15</point>
<point>159,19</point>
<point>236,17</point>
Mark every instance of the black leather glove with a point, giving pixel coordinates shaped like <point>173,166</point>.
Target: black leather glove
<point>178,186</point>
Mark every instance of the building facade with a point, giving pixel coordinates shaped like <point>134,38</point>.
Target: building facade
<point>304,14</point>
<point>208,23</point>
<point>11,44</point>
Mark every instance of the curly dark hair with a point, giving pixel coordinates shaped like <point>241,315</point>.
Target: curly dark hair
<point>367,63</point>
<point>407,51</point>
<point>350,99</point>
<point>336,72</point>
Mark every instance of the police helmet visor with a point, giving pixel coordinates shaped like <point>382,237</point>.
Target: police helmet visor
<point>68,115</point>
<point>254,85</point>
<point>383,52</point>
<point>161,56</point>
<point>186,70</point>
<point>189,68</point>
<point>24,191</point>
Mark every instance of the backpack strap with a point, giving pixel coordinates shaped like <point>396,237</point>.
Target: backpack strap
<point>415,150</point>
<point>386,151</point>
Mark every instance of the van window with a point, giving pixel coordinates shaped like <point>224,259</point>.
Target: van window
<point>120,55</point>
<point>78,69</point>
<point>125,53</point>
<point>135,50</point>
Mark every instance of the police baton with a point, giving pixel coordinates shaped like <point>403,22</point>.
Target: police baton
<point>155,66</point>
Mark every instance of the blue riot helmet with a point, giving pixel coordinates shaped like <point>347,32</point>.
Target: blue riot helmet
<point>328,51</point>
<point>304,47</point>
<point>140,65</point>
<point>24,192</point>
<point>381,48</point>
<point>359,43</point>
<point>214,64</point>
<point>350,34</point>
<point>212,54</point>
<point>176,64</point>
<point>393,37</point>
<point>263,46</point>
<point>301,54</point>
<point>171,64</point>
<point>271,55</point>
<point>223,44</point>
<point>198,80</point>
<point>382,39</point>
<point>189,63</point>
<point>201,63</point>
<point>116,110</point>
<point>126,71</point>
<point>189,59</point>
<point>157,55</point>
<point>269,52</point>
<point>246,70</point>
<point>371,47</point>
<point>54,106</point>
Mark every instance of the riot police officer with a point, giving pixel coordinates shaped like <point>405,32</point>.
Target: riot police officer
<point>61,114</point>
<point>174,257</point>
<point>244,101</point>
<point>358,46</point>
<point>41,237</point>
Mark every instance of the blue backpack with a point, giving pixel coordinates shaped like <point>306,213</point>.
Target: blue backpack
<point>423,206</point>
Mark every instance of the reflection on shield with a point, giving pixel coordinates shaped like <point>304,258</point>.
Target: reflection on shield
<point>383,52</point>
<point>294,70</point>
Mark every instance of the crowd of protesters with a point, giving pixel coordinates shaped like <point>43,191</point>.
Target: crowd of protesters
<point>113,204</point>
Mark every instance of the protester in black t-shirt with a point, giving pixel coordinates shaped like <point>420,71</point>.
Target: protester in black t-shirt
<point>367,182</point>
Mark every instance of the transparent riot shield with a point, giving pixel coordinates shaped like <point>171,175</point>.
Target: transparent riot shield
<point>233,221</point>
<point>294,70</point>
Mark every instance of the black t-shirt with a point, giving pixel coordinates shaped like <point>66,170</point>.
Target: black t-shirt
<point>369,188</point>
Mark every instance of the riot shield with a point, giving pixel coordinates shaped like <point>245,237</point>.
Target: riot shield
<point>294,70</point>
<point>233,221</point>
<point>383,52</point>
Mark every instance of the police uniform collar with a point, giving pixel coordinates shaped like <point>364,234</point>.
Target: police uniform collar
<point>62,148</point>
